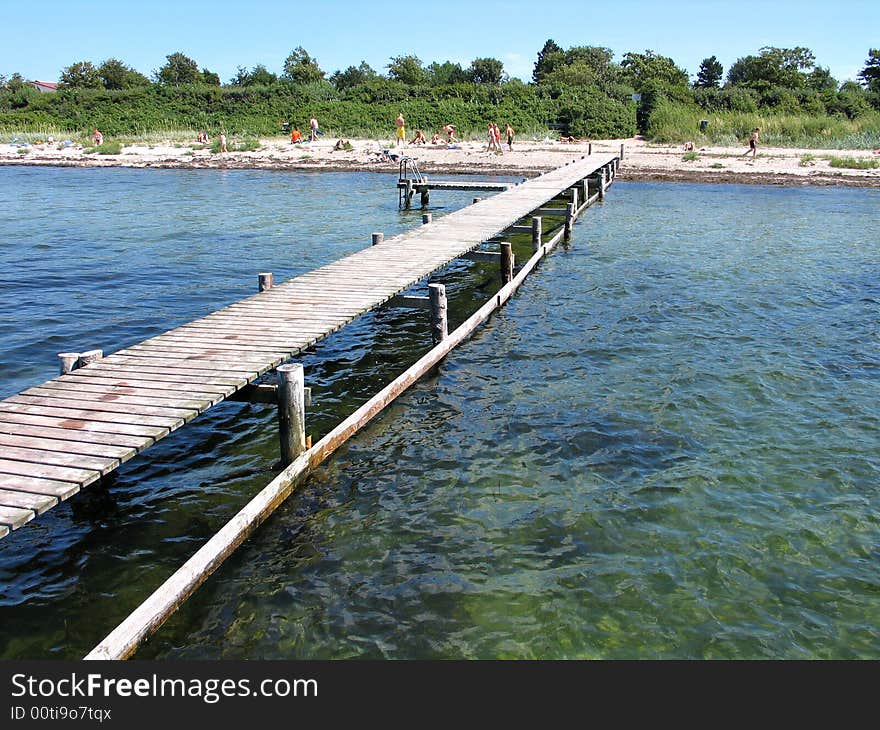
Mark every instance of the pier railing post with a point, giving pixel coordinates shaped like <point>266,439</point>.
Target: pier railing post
<point>266,280</point>
<point>378,238</point>
<point>506,262</point>
<point>439,321</point>
<point>291,411</point>
<point>602,184</point>
<point>67,361</point>
<point>537,232</point>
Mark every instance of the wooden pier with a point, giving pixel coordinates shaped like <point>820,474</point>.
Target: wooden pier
<point>65,434</point>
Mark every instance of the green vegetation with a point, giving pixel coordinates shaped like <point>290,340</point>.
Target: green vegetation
<point>690,156</point>
<point>717,166</point>
<point>807,160</point>
<point>853,163</point>
<point>580,90</point>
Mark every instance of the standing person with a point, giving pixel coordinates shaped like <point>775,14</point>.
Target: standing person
<point>491,138</point>
<point>753,143</point>
<point>497,134</point>
<point>450,132</point>
<point>509,137</point>
<point>401,129</point>
<point>313,135</point>
<point>97,138</point>
<point>223,142</point>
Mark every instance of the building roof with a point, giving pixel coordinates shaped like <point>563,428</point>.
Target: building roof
<point>44,85</point>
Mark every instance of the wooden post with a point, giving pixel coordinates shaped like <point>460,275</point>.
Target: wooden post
<point>68,362</point>
<point>266,280</point>
<point>569,221</point>
<point>291,411</point>
<point>590,149</point>
<point>408,194</point>
<point>602,184</point>
<point>88,357</point>
<point>425,197</point>
<point>477,200</point>
<point>506,263</point>
<point>439,322</point>
<point>378,238</point>
<point>586,183</point>
<point>426,218</point>
<point>537,232</point>
<point>621,150</point>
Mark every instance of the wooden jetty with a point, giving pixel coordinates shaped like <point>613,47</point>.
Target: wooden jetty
<point>67,433</point>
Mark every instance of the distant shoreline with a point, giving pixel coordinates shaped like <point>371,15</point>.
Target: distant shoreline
<point>642,161</point>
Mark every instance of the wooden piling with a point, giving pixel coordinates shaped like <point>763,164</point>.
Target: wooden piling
<point>68,361</point>
<point>266,280</point>
<point>439,321</point>
<point>570,214</point>
<point>506,262</point>
<point>425,198</point>
<point>88,357</point>
<point>537,223</point>
<point>291,411</point>
<point>426,218</point>
<point>477,200</point>
<point>378,238</point>
<point>621,150</point>
<point>408,194</point>
<point>590,149</point>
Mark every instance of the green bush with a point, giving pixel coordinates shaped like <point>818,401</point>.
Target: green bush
<point>854,163</point>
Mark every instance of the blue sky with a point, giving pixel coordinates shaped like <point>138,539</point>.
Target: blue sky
<point>40,40</point>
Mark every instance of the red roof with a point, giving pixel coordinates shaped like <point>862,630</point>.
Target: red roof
<point>48,85</point>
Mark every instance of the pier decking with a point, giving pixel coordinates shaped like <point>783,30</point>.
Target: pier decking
<point>58,437</point>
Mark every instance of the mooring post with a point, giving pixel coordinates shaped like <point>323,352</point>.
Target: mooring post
<point>68,361</point>
<point>425,197</point>
<point>426,218</point>
<point>439,321</point>
<point>378,238</point>
<point>570,213</point>
<point>408,194</point>
<point>88,357</point>
<point>291,411</point>
<point>590,149</point>
<point>586,188</point>
<point>506,262</point>
<point>537,232</point>
<point>602,184</point>
<point>621,150</point>
<point>266,280</point>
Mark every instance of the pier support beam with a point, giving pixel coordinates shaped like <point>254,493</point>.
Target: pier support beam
<point>426,218</point>
<point>570,214</point>
<point>291,411</point>
<point>426,197</point>
<point>266,280</point>
<point>506,263</point>
<point>378,238</point>
<point>439,321</point>
<point>408,194</point>
<point>537,232</point>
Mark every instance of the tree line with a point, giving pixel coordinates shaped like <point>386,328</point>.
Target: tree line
<point>581,89</point>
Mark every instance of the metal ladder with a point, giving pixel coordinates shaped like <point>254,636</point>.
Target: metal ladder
<point>408,173</point>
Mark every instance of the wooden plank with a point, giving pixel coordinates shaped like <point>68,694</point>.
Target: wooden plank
<point>4,531</point>
<point>46,471</point>
<point>36,485</point>
<point>170,411</point>
<point>156,378</point>
<point>180,400</point>
<point>67,446</point>
<point>57,458</point>
<point>152,432</point>
<point>84,414</point>
<point>15,517</point>
<point>38,503</point>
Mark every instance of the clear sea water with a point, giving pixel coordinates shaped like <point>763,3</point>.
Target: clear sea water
<point>667,445</point>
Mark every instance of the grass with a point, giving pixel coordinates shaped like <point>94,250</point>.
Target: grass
<point>691,156</point>
<point>716,165</point>
<point>249,144</point>
<point>807,160</point>
<point>23,150</point>
<point>853,163</point>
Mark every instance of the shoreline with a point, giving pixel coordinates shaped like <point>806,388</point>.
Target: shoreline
<point>642,162</point>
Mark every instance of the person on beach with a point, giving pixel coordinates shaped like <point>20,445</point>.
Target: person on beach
<point>450,132</point>
<point>497,133</point>
<point>509,132</point>
<point>753,143</point>
<point>313,125</point>
<point>491,138</point>
<point>419,138</point>
<point>436,138</point>
<point>97,138</point>
<point>401,129</point>
<point>296,136</point>
<point>223,142</point>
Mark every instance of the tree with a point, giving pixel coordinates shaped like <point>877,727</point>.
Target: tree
<point>641,68</point>
<point>549,57</point>
<point>486,71</point>
<point>353,76</point>
<point>210,78</point>
<point>710,74</point>
<point>820,79</point>
<point>597,59</point>
<point>773,67</point>
<point>407,69</point>
<point>301,68</point>
<point>116,75</point>
<point>80,75</point>
<point>179,69</point>
<point>446,74</point>
<point>870,74</point>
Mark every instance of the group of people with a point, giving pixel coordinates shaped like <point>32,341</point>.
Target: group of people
<point>296,137</point>
<point>494,137</point>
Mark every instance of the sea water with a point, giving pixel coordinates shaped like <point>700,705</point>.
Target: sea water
<point>664,446</point>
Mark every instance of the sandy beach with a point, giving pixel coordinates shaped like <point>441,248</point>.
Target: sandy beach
<point>642,161</point>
